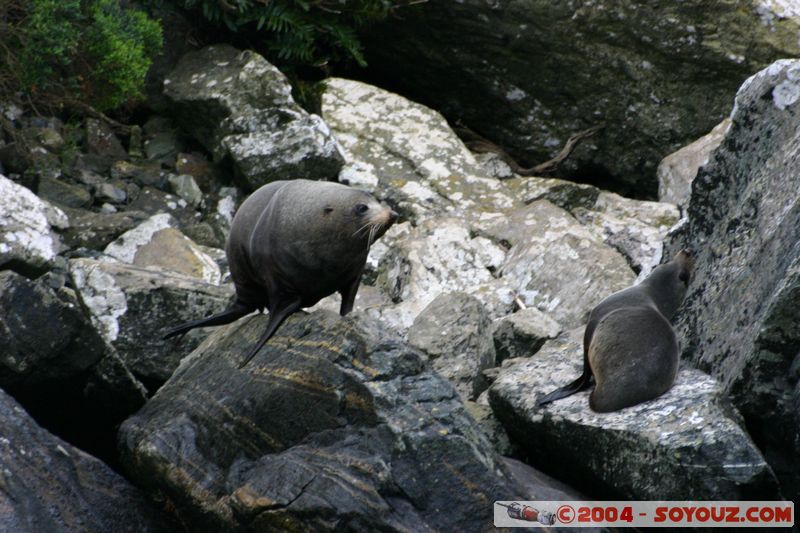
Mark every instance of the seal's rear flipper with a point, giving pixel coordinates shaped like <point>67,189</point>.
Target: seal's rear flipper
<point>582,383</point>
<point>276,318</point>
<point>237,310</point>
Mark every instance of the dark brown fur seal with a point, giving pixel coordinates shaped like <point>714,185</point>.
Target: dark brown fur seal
<point>629,346</point>
<point>293,243</point>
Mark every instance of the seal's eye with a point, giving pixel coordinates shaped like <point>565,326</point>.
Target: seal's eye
<point>360,209</point>
<point>328,210</point>
<point>684,276</point>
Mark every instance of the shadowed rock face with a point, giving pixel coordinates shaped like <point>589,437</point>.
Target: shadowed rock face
<point>741,315</point>
<point>48,485</point>
<point>333,424</point>
<point>530,73</point>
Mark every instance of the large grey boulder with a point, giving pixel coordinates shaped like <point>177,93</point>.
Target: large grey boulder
<point>28,242</point>
<point>455,332</point>
<point>332,426</point>
<point>406,152</point>
<point>529,74</point>
<point>686,444</point>
<point>555,263</point>
<point>741,312</point>
<point>240,107</point>
<point>133,306</point>
<point>49,485</point>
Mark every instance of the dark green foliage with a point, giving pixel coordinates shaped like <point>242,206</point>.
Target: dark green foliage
<point>62,51</point>
<point>299,32</point>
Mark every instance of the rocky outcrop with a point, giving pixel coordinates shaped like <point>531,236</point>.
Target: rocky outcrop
<point>677,170</point>
<point>455,332</point>
<point>240,107</point>
<point>473,233</point>
<point>49,485</point>
<point>333,425</point>
<point>132,307</point>
<point>741,313</point>
<point>521,334</point>
<point>690,438</point>
<point>530,74</point>
<point>28,242</point>
<point>157,243</point>
<point>49,336</point>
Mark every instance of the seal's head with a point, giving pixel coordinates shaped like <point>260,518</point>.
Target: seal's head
<point>356,213</point>
<point>669,282</point>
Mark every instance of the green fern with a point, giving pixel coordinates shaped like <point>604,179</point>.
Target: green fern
<point>299,32</point>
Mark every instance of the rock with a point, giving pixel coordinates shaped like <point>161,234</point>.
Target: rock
<point>131,307</point>
<point>28,243</point>
<point>454,330</point>
<point>62,193</point>
<point>522,334</point>
<point>635,228</point>
<point>47,337</point>
<point>144,173</point>
<point>49,485</point>
<point>677,170</point>
<point>50,138</point>
<point>156,202</point>
<point>402,150</point>
<point>163,147</point>
<point>686,444</point>
<point>197,166</point>
<point>108,192</point>
<point>156,243</point>
<point>95,230</point>
<point>482,414</point>
<point>386,445</point>
<point>186,187</point>
<point>500,69</point>
<point>240,107</point>
<point>740,315</point>
<point>439,256</point>
<point>101,141</point>
<point>555,264</point>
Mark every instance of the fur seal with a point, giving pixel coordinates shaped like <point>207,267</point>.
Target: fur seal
<point>293,243</point>
<point>629,346</point>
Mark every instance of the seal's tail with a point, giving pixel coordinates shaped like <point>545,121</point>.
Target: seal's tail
<point>582,383</point>
<point>237,310</point>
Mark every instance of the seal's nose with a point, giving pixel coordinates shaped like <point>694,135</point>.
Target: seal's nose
<point>393,216</point>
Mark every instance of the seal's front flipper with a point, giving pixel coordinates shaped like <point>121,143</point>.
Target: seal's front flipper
<point>276,318</point>
<point>348,293</point>
<point>237,310</point>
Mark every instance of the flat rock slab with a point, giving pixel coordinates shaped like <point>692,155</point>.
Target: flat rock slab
<point>333,425</point>
<point>48,485</point>
<point>690,439</point>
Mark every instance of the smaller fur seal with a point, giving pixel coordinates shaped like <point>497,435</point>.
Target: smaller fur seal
<point>629,346</point>
<point>293,243</point>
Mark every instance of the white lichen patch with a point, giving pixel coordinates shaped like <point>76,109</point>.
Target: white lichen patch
<point>99,292</point>
<point>127,244</point>
<point>25,225</point>
<point>787,92</point>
